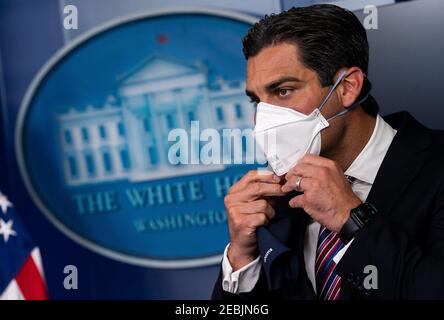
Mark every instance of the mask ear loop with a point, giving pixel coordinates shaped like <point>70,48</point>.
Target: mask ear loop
<point>354,105</point>
<point>341,77</point>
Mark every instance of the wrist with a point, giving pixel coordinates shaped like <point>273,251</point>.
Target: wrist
<point>345,214</point>
<point>358,218</point>
<point>240,257</point>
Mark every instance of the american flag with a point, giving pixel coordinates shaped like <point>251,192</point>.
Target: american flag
<point>21,272</point>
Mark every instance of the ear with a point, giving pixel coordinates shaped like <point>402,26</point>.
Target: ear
<point>351,86</point>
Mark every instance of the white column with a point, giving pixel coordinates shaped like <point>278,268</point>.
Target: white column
<point>81,164</point>
<point>133,130</point>
<point>113,140</point>
<point>157,131</point>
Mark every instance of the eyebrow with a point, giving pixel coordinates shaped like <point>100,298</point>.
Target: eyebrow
<point>274,84</point>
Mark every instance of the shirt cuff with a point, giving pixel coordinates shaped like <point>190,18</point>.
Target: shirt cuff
<point>242,280</point>
<point>341,252</point>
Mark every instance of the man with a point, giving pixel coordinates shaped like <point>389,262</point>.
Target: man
<point>360,214</point>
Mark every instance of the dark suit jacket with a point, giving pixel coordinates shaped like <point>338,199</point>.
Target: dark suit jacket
<point>405,240</point>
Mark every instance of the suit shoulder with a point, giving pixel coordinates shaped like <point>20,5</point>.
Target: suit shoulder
<point>437,140</point>
<point>436,160</point>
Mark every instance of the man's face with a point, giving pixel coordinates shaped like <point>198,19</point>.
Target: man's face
<point>277,76</point>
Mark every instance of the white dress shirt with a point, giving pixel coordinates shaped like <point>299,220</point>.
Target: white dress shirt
<point>364,169</point>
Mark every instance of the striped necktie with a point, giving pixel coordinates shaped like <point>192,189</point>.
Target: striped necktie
<point>328,283</point>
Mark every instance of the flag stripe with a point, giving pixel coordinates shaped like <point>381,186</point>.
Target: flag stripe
<point>35,253</point>
<point>21,268</point>
<point>12,292</point>
<point>30,281</point>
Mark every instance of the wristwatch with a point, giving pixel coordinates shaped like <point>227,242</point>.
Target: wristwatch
<point>359,217</point>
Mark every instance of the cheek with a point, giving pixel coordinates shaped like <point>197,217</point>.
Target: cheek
<point>307,100</point>
<point>332,135</point>
<point>331,107</point>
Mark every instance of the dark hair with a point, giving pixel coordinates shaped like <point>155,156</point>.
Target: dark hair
<point>328,38</point>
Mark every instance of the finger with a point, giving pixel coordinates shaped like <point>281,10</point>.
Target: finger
<point>305,170</point>
<point>254,192</point>
<point>291,183</point>
<point>297,202</point>
<point>254,221</point>
<point>255,207</point>
<point>264,176</point>
<point>249,223</point>
<point>257,190</point>
<point>260,190</point>
<point>304,185</point>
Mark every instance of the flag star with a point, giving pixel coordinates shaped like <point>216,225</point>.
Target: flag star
<point>4,203</point>
<point>6,229</point>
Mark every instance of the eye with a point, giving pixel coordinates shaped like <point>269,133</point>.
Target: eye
<point>283,92</point>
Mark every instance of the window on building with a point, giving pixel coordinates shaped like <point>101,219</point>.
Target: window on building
<point>107,161</point>
<point>121,129</point>
<point>124,157</point>
<point>147,124</point>
<point>85,134</point>
<point>170,121</point>
<point>191,116</point>
<point>68,136</point>
<point>90,167</point>
<point>219,114</point>
<point>238,111</point>
<point>102,132</point>
<point>72,164</point>
<point>152,155</point>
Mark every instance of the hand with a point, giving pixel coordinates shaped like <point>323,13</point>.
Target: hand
<point>327,195</point>
<point>248,207</point>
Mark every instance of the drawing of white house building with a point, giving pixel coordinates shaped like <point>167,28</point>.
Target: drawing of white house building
<point>127,138</point>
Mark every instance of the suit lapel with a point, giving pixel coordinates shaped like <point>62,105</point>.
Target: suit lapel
<point>289,224</point>
<point>402,162</point>
<point>288,227</point>
<point>405,157</point>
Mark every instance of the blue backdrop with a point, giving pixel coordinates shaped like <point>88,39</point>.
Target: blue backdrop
<point>405,77</point>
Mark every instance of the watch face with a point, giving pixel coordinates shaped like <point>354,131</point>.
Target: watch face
<point>358,218</point>
<point>364,212</point>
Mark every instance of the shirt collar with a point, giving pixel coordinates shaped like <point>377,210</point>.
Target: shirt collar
<point>367,163</point>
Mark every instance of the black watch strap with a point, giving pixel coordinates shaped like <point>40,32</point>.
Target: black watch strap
<point>359,217</point>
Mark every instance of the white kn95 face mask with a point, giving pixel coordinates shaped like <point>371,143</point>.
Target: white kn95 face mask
<point>286,135</point>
